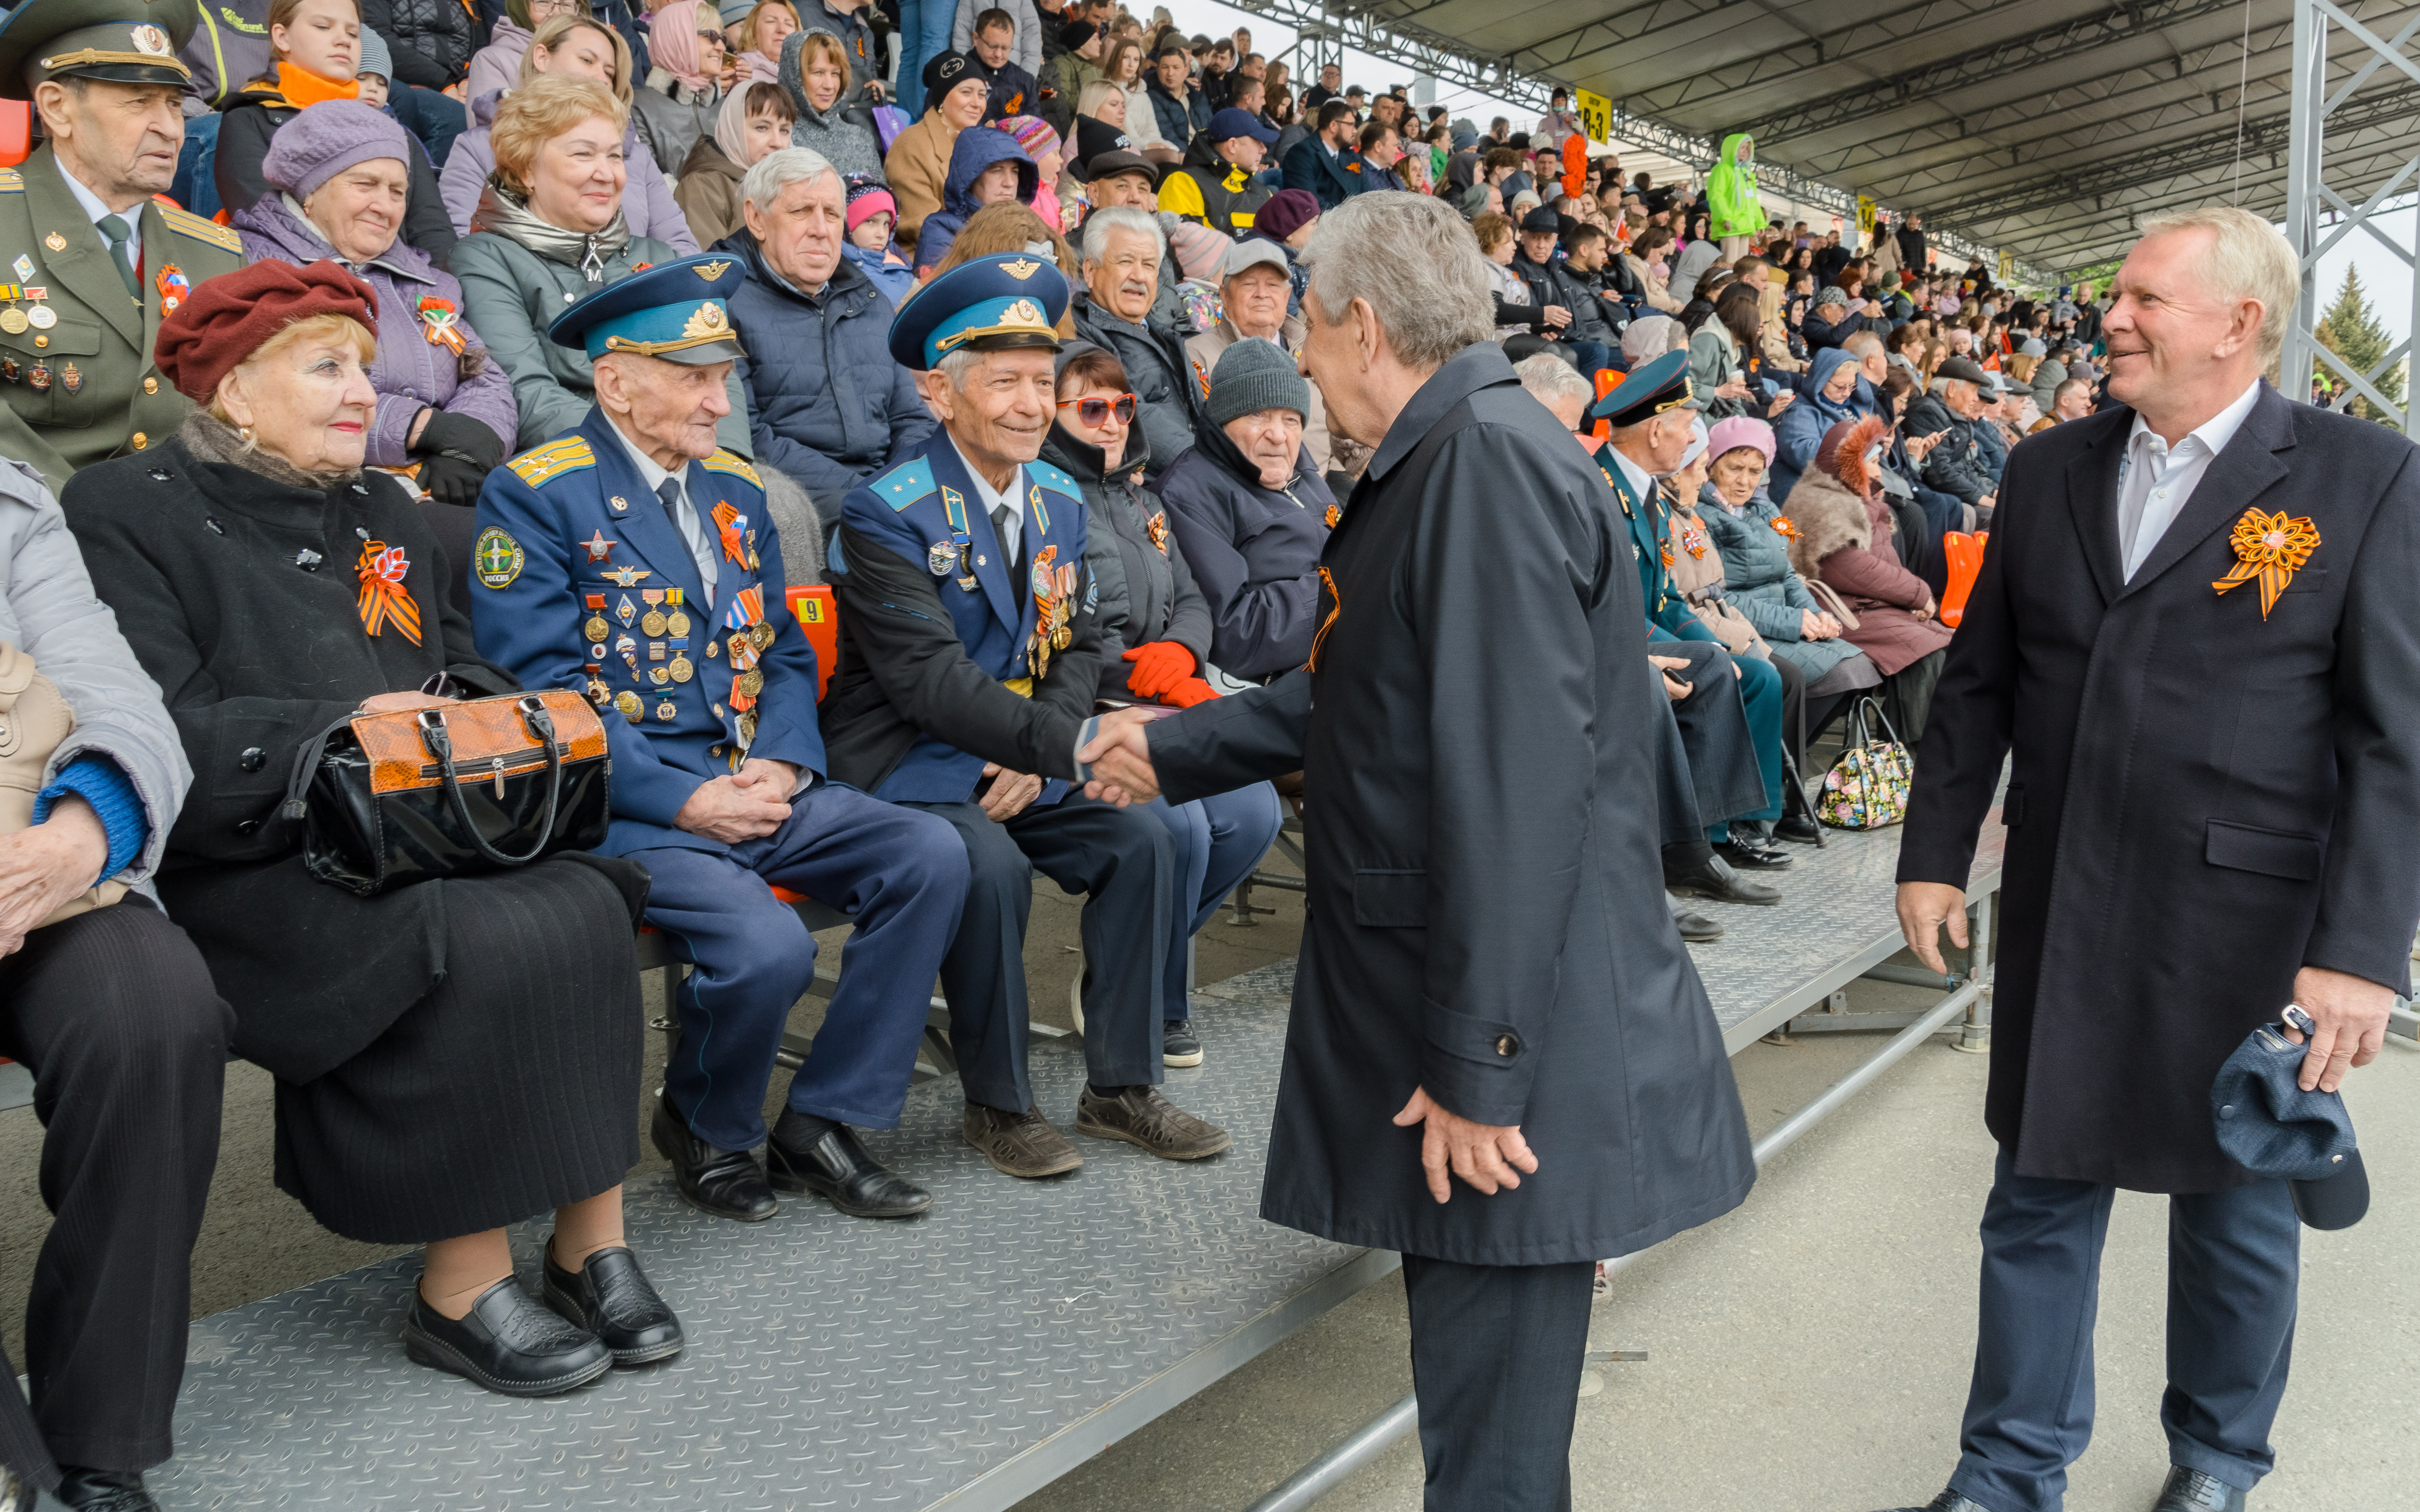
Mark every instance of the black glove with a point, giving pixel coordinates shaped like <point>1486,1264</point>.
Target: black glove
<point>455,455</point>
<point>452,481</point>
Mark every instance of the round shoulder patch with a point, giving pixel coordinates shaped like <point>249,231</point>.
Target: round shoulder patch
<point>498,557</point>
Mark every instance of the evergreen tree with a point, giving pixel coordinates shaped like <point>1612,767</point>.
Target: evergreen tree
<point>2351,330</point>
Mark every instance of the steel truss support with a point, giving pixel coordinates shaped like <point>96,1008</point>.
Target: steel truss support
<point>2319,215</point>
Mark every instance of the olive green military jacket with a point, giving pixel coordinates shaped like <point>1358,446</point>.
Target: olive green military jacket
<point>85,388</point>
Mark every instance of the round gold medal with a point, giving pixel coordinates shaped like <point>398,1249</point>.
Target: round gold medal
<point>667,710</point>
<point>14,321</point>
<point>652,622</point>
<point>762,633</point>
<point>676,623</point>
<point>628,702</point>
<point>597,629</point>
<point>749,683</point>
<point>683,669</point>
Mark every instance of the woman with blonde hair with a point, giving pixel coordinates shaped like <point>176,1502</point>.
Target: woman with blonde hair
<point>314,47</point>
<point>1010,226</point>
<point>549,230</point>
<point>582,47</point>
<point>759,39</point>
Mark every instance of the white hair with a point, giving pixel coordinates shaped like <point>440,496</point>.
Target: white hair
<point>954,367</point>
<point>2246,259</point>
<point>1413,261</point>
<point>1127,217</point>
<point>778,170</point>
<point>1550,377</point>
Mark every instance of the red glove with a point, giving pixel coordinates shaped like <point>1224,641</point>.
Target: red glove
<point>1157,667</point>
<point>1188,693</point>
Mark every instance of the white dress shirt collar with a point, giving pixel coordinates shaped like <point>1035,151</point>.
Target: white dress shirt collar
<point>987,498</point>
<point>93,208</point>
<point>2213,432</point>
<point>2160,480</point>
<point>1642,482</point>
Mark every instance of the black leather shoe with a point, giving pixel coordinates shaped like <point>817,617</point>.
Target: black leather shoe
<point>1798,830</point>
<point>1696,928</point>
<point>837,1168</point>
<point>506,1343</point>
<point>611,1298</point>
<point>1753,858</point>
<point>1945,1502</point>
<point>727,1183</point>
<point>2193,1491</point>
<point>100,1490</point>
<point>1715,879</point>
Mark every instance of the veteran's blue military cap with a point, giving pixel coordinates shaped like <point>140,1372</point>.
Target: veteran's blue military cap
<point>674,310</point>
<point>125,41</point>
<point>1651,389</point>
<point>1011,299</point>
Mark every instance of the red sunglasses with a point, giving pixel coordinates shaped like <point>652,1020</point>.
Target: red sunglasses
<point>1092,409</point>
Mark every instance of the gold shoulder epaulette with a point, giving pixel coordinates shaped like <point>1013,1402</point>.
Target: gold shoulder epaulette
<point>185,223</point>
<point>542,463</point>
<point>727,461</point>
<point>11,181</point>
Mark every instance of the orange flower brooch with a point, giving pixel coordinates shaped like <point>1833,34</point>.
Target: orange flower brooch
<point>2272,549</point>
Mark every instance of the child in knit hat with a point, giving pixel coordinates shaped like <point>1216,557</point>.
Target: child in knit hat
<point>871,215</point>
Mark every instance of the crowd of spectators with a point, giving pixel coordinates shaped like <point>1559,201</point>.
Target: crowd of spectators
<point>1791,420</point>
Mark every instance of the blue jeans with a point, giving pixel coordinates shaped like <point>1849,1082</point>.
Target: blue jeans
<point>1218,841</point>
<point>195,186</point>
<point>1594,356</point>
<point>2233,1268</point>
<point>924,35</point>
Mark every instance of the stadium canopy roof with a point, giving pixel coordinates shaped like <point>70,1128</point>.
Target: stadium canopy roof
<point>2039,128</point>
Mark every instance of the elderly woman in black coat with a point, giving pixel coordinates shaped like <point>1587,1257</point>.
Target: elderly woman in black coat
<point>453,1055</point>
<point>1155,629</point>
<point>1252,513</point>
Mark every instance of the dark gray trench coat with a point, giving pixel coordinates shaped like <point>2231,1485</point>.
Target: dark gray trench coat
<point>2202,800</point>
<point>1487,916</point>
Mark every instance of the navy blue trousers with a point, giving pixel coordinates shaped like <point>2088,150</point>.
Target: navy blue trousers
<point>900,875</point>
<point>1496,1356</point>
<point>1218,841</point>
<point>2233,1266</point>
<point>1120,861</point>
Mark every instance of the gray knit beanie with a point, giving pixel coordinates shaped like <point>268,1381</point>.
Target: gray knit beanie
<point>1254,375</point>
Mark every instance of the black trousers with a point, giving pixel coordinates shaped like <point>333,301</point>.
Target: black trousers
<point>113,1012</point>
<point>1496,1354</point>
<point>1123,861</point>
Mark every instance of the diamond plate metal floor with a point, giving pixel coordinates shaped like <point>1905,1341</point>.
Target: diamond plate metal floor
<point>963,1359</point>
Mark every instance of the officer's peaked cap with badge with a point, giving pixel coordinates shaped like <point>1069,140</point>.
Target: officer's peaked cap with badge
<point>125,41</point>
<point>1007,300</point>
<point>1651,389</point>
<point>674,310</point>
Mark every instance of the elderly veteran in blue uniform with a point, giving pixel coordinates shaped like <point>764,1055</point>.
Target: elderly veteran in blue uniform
<point>969,658</point>
<point>1651,414</point>
<point>635,560</point>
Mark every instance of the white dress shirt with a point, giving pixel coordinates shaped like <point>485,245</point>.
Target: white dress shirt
<point>989,499</point>
<point>1642,484</point>
<point>700,540</point>
<point>2155,479</point>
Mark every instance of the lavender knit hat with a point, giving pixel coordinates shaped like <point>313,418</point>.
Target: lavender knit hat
<point>329,138</point>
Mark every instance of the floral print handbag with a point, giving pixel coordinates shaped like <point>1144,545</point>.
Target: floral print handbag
<point>1867,788</point>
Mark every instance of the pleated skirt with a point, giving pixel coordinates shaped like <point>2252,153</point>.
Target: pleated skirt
<point>510,1089</point>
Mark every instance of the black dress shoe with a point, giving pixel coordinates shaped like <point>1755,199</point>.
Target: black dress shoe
<point>611,1298</point>
<point>1713,878</point>
<point>1696,928</point>
<point>1945,1502</point>
<point>1753,858</point>
<point>101,1491</point>
<point>835,1168</point>
<point>1798,829</point>
<point>2194,1490</point>
<point>506,1343</point>
<point>727,1183</point>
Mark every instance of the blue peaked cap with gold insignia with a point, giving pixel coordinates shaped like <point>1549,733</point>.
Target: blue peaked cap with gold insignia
<point>1647,391</point>
<point>675,311</point>
<point>1011,299</point>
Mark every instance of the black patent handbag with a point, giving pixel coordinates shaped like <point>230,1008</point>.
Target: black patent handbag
<point>465,789</point>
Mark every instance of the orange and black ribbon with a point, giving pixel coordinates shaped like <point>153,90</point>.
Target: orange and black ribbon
<point>384,600</point>
<point>2271,547</point>
<point>1335,607</point>
<point>727,524</point>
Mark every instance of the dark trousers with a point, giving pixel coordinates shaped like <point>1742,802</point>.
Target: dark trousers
<point>1122,860</point>
<point>2233,1266</point>
<point>1496,1353</point>
<point>1219,839</point>
<point>898,875</point>
<point>115,1013</point>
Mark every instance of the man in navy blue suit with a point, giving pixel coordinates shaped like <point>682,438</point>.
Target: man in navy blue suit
<point>632,560</point>
<point>968,656</point>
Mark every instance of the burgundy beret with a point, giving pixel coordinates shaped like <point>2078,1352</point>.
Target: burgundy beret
<point>227,318</point>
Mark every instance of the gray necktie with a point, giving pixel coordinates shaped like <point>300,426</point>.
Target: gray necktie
<point>692,530</point>
<point>1004,523</point>
<point>121,238</point>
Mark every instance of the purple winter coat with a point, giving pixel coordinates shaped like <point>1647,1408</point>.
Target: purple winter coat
<point>647,204</point>
<point>409,371</point>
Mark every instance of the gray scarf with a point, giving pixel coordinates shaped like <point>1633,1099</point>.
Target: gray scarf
<point>214,440</point>
<point>508,215</point>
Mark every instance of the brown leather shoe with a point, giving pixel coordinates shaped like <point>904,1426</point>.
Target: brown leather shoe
<point>1022,1145</point>
<point>1139,1115</point>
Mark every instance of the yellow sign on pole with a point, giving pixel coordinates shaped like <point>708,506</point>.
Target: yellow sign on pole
<point>1596,115</point>
<point>2008,273</point>
<point>1865,217</point>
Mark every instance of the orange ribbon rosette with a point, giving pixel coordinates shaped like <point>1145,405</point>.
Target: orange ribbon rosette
<point>1782,526</point>
<point>2272,549</point>
<point>384,600</point>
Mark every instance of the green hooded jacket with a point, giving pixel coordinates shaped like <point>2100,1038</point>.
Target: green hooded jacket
<point>1730,189</point>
